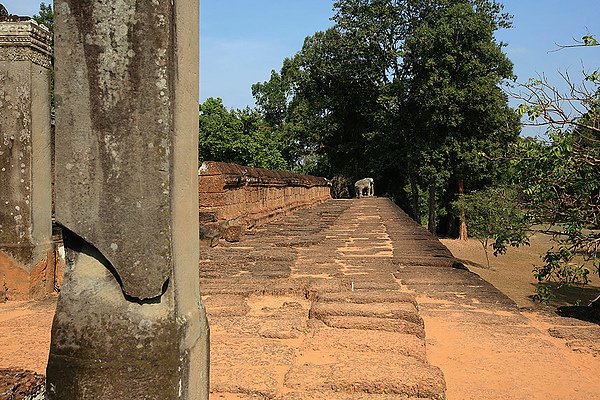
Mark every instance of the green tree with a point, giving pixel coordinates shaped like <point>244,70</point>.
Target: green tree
<point>272,99</point>
<point>376,31</point>
<point>457,108</point>
<point>340,93</point>
<point>291,117</point>
<point>495,218</point>
<point>329,109</point>
<point>561,180</point>
<point>357,100</point>
<point>237,136</point>
<point>561,175</point>
<point>45,16</point>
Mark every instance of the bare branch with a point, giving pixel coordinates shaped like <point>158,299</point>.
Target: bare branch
<point>586,41</point>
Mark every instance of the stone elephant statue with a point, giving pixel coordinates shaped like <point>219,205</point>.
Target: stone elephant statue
<point>364,185</point>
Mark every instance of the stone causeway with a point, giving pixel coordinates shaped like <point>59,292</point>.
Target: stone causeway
<point>335,302</point>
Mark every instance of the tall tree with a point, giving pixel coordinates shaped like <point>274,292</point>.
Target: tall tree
<point>378,30</point>
<point>496,218</point>
<point>454,69</point>
<point>45,16</point>
<point>394,90</point>
<point>330,103</point>
<point>292,117</point>
<point>272,99</point>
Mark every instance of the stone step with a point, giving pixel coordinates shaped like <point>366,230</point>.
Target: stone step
<point>405,311</point>
<point>474,313</point>
<point>363,282</point>
<point>365,341</point>
<point>366,373</point>
<point>425,260</point>
<point>272,326</point>
<point>256,382</point>
<point>331,395</point>
<point>375,324</point>
<point>482,294</point>
<point>238,350</point>
<point>250,285</point>
<point>365,297</point>
<point>247,365</point>
<point>225,305</point>
<point>434,275</point>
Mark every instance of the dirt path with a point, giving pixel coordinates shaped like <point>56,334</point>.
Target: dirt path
<point>484,345</point>
<point>505,355</point>
<point>564,354</point>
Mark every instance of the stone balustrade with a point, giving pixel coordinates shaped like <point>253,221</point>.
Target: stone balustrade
<point>234,198</point>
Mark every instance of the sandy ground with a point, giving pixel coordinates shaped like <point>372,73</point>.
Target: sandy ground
<point>512,273</point>
<point>534,355</point>
<point>25,334</point>
<point>520,361</point>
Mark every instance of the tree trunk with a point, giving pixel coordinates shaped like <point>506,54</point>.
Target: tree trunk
<point>462,222</point>
<point>414,190</point>
<point>487,255</point>
<point>431,224</point>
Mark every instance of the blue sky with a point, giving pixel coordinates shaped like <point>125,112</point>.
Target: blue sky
<point>243,40</point>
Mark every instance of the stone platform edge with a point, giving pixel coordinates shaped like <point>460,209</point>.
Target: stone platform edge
<point>234,198</point>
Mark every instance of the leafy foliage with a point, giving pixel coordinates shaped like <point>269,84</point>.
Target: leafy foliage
<point>495,218</point>
<point>455,104</point>
<point>45,16</point>
<point>237,136</point>
<point>561,182</point>
<point>561,176</point>
<point>400,90</point>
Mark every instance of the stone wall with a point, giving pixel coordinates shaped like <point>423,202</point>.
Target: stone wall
<point>234,198</point>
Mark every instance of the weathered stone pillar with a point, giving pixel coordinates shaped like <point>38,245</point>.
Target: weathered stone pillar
<point>129,323</point>
<point>26,258</point>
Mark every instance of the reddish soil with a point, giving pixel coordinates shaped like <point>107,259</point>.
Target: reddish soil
<point>540,355</point>
<point>512,273</point>
<point>25,334</point>
<point>518,359</point>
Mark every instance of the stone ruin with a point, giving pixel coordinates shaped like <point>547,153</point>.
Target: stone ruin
<point>125,194</point>
<point>126,180</point>
<point>27,256</point>
<point>234,198</point>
